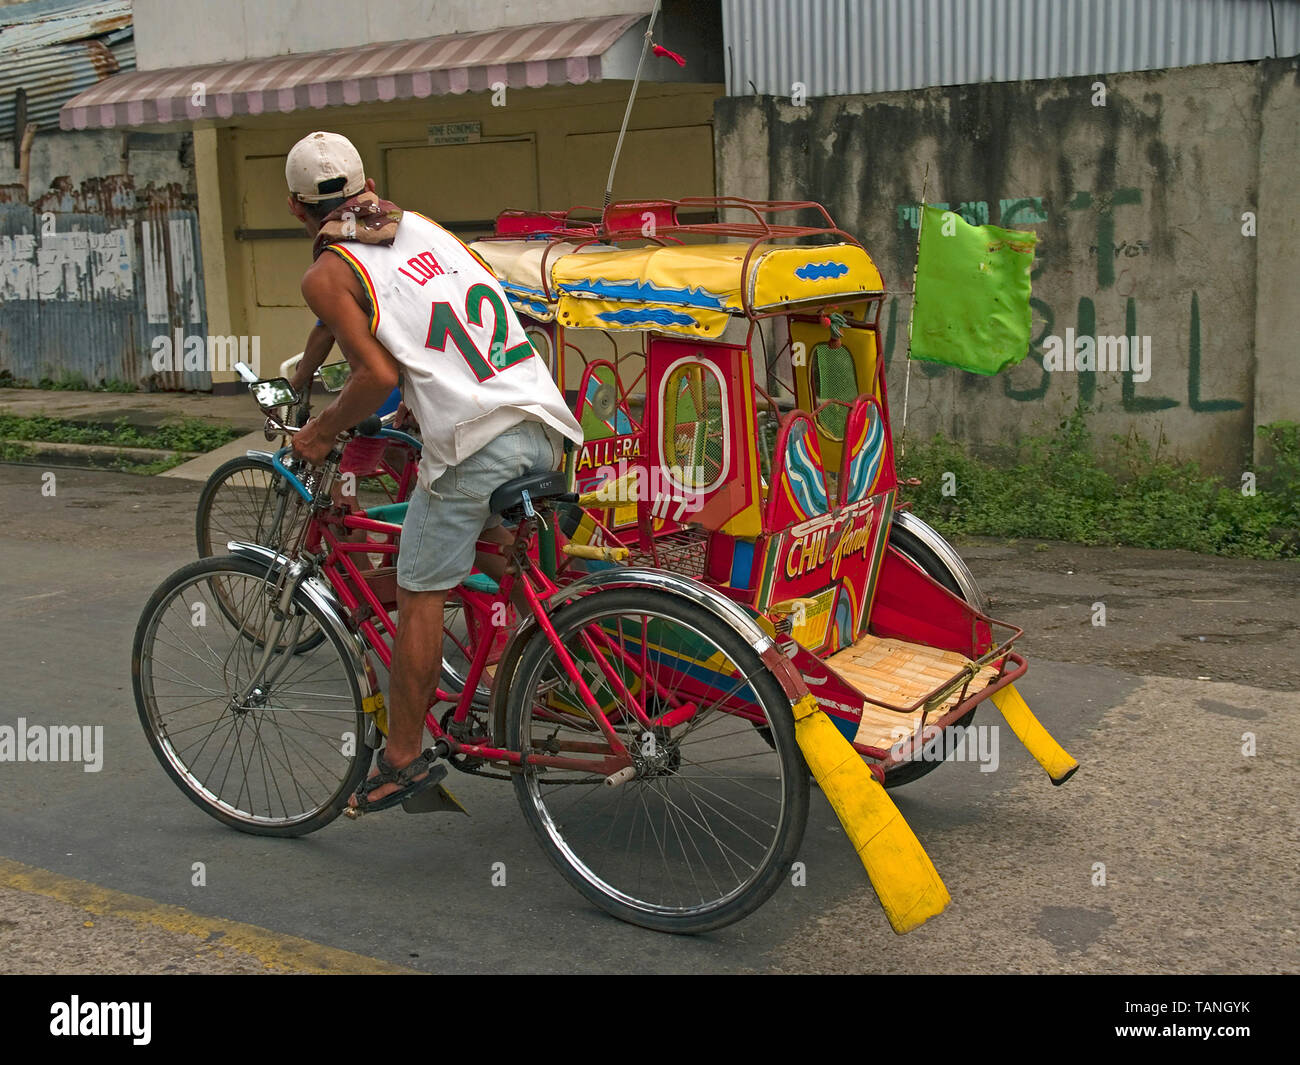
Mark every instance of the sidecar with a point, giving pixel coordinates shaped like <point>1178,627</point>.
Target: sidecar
<point>730,380</point>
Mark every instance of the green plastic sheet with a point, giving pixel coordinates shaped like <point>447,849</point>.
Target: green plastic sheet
<point>971,308</point>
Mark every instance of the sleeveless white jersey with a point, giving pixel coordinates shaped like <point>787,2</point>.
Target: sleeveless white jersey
<point>469,372</point>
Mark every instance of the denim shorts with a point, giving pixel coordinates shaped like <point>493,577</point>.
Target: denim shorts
<point>442,525</point>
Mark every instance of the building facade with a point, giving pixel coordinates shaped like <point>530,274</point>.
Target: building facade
<point>459,110</point>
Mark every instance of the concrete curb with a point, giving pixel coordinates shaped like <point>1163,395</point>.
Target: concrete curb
<point>201,468</point>
<point>96,454</point>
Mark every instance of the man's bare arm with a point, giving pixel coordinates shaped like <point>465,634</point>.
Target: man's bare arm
<point>334,294</point>
<point>320,342</point>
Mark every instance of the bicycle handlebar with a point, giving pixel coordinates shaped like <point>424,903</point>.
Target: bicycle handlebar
<point>288,474</point>
<point>372,423</point>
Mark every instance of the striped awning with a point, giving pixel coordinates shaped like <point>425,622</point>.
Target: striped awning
<point>553,53</point>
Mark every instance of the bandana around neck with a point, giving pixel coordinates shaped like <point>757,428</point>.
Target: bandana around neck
<point>369,220</point>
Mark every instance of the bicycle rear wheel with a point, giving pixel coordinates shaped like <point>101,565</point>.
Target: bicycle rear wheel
<point>709,826</point>
<point>280,762</point>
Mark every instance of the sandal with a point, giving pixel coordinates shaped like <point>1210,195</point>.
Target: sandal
<point>405,777</point>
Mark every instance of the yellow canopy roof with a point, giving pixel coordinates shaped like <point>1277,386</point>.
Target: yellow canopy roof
<point>689,289</point>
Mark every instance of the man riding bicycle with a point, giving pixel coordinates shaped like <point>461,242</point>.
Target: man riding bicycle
<point>402,296</point>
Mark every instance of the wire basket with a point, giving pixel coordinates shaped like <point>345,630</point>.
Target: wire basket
<point>681,551</point>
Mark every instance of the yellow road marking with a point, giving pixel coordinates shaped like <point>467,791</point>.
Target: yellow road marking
<point>273,949</point>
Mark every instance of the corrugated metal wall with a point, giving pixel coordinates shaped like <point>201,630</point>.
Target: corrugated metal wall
<point>90,277</point>
<point>838,47</point>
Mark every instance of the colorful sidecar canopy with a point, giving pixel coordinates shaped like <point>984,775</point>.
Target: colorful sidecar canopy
<point>687,290</point>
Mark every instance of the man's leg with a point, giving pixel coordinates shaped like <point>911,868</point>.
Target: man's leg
<point>437,551</point>
<point>417,661</point>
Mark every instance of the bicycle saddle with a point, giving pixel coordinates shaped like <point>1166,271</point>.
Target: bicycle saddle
<point>539,486</point>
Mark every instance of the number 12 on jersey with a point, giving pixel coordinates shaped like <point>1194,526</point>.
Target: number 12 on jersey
<point>444,324</point>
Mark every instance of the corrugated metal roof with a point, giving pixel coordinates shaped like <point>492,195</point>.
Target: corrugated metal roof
<point>836,47</point>
<point>552,53</point>
<point>55,49</point>
<point>45,22</point>
<point>51,76</point>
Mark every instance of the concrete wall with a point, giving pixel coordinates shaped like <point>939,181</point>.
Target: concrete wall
<point>160,159</point>
<point>1138,200</point>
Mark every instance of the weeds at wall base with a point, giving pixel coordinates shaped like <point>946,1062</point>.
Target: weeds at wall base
<point>1060,488</point>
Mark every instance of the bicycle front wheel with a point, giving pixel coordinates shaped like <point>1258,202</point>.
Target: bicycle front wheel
<point>710,824</point>
<point>244,499</point>
<point>270,748</point>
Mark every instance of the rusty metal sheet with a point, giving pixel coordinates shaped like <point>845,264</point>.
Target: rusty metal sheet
<point>92,275</point>
<point>56,49</point>
<point>833,47</point>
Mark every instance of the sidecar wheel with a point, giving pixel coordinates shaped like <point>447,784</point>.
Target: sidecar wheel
<point>924,547</point>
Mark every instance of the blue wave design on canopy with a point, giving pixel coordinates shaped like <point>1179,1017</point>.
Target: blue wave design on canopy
<point>818,271</point>
<point>511,286</point>
<point>654,316</point>
<point>531,307</point>
<point>646,292</point>
<point>805,477</point>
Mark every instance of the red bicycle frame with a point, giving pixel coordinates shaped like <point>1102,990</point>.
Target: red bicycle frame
<point>356,590</point>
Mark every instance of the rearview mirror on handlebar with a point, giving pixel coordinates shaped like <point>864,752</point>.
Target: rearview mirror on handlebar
<point>276,392</point>
<point>334,376</point>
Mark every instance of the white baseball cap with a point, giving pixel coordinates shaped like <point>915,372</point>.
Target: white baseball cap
<point>324,166</point>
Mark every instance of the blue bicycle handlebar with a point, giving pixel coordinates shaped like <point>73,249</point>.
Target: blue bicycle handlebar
<point>288,474</point>
<point>397,434</point>
<point>301,489</point>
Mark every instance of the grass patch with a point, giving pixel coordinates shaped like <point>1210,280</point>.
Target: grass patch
<point>114,385</point>
<point>67,382</point>
<point>12,452</point>
<point>1059,489</point>
<point>189,434</point>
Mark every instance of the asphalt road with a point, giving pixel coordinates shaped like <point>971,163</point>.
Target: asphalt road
<point>1197,839</point>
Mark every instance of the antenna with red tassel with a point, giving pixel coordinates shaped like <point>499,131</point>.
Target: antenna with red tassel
<point>659,50</point>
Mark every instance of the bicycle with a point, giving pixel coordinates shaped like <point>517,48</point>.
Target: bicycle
<point>623,707</point>
<point>244,498</point>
